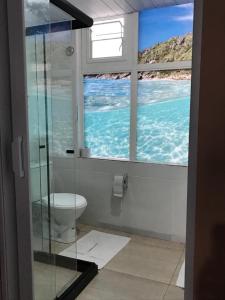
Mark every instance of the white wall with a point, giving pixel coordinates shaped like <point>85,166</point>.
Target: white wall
<point>155,203</point>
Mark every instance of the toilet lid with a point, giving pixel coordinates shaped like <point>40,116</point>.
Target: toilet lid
<point>66,200</point>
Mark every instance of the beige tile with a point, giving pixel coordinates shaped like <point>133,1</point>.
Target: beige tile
<point>84,227</point>
<point>109,285</point>
<point>158,242</point>
<point>59,247</point>
<point>136,238</point>
<point>44,282</point>
<point>174,293</point>
<point>178,268</point>
<point>50,280</point>
<point>87,228</point>
<point>154,263</point>
<point>64,278</point>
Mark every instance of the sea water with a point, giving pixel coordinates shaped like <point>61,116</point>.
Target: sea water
<point>162,131</point>
<point>163,110</point>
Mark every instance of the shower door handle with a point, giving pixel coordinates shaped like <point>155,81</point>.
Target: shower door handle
<point>18,157</point>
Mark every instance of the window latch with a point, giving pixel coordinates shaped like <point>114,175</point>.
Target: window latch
<point>70,151</point>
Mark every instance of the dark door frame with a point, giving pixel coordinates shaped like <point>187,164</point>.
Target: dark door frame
<point>20,149</point>
<point>205,271</point>
<point>193,151</point>
<point>9,286</point>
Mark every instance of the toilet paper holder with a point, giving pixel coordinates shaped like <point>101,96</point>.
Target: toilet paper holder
<point>120,185</point>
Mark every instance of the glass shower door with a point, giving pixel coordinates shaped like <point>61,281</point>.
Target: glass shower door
<point>61,55</point>
<point>43,274</point>
<point>49,81</point>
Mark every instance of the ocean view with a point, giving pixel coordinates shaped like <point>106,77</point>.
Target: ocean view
<point>162,119</point>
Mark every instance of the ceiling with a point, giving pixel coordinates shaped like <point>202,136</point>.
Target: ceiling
<point>107,8</point>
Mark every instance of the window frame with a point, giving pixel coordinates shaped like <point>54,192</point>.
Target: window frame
<point>88,43</point>
<point>117,65</point>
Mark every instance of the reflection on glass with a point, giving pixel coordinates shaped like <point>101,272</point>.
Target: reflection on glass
<point>107,115</point>
<point>49,85</point>
<point>163,117</point>
<point>39,175</point>
<point>61,93</point>
<point>165,34</point>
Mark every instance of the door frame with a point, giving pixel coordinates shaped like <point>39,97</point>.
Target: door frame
<point>193,151</point>
<point>19,108</point>
<point>16,30</point>
<point>206,188</point>
<point>9,279</point>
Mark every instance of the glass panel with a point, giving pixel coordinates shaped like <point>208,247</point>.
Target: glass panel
<point>44,275</point>
<point>107,115</point>
<point>42,13</point>
<point>165,34</point>
<point>107,38</point>
<point>49,81</point>
<point>61,56</point>
<point>163,117</point>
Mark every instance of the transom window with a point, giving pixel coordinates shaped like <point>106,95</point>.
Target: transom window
<point>107,38</point>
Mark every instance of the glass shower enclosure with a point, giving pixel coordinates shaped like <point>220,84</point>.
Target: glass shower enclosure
<point>50,73</point>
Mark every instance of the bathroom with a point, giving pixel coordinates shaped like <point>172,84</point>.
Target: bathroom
<point>102,176</point>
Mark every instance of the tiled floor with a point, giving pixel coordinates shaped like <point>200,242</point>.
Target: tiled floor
<point>50,280</point>
<point>146,269</point>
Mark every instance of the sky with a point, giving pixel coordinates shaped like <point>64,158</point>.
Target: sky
<point>160,24</point>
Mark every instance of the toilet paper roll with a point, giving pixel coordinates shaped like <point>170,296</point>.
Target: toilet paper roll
<point>85,152</point>
<point>120,185</point>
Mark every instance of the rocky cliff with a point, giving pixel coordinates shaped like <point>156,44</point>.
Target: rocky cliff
<point>175,49</point>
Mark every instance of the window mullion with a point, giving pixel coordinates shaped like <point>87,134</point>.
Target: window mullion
<point>133,36</point>
<point>133,116</point>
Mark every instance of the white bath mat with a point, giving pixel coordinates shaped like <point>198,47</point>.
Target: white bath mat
<point>97,247</point>
<point>181,277</point>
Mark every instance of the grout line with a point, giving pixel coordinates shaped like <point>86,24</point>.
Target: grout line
<point>177,267</point>
<point>168,284</point>
<point>166,292</point>
<point>133,237</point>
<point>135,276</point>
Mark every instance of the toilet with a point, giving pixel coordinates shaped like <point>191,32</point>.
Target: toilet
<point>65,210</point>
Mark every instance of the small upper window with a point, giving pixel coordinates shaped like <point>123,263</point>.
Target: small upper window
<point>107,38</point>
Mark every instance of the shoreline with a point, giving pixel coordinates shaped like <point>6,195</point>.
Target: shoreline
<point>143,78</point>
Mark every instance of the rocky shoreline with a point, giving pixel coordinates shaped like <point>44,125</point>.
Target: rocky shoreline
<point>166,75</point>
<point>110,76</point>
<point>153,75</point>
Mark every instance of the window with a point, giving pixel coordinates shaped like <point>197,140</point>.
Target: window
<point>107,115</point>
<point>165,34</point>
<point>141,113</point>
<point>107,39</point>
<point>163,117</point>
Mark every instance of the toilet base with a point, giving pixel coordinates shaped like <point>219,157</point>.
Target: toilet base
<point>60,233</point>
<point>66,237</point>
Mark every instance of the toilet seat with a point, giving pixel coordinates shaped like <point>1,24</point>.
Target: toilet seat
<point>67,201</point>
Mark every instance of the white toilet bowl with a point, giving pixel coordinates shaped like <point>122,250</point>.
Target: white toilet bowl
<point>65,210</point>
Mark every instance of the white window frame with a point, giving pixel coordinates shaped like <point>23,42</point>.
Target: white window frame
<point>88,44</point>
<point>117,65</point>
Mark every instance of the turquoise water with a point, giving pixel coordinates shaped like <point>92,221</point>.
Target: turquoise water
<point>162,119</point>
